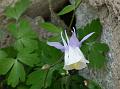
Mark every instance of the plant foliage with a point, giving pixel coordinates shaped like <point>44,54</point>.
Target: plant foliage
<point>93,49</point>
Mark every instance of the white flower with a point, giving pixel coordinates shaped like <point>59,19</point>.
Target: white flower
<point>73,57</point>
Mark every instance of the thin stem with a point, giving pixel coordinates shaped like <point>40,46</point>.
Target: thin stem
<point>59,61</point>
<point>46,78</point>
<point>73,15</point>
<point>50,7</point>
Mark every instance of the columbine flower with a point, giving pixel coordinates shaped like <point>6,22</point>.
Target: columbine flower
<point>73,57</point>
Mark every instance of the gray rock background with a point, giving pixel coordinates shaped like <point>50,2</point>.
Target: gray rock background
<point>108,11</point>
<point>37,7</point>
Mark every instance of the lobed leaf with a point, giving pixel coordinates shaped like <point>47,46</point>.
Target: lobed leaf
<point>48,54</point>
<point>5,65</point>
<point>95,53</point>
<point>26,43</point>
<point>12,28</point>
<point>36,79</point>
<point>101,47</point>
<point>97,60</point>
<point>93,85</point>
<point>25,30</point>
<point>17,10</point>
<point>10,51</point>
<point>94,26</point>
<point>22,29</point>
<point>92,48</point>
<point>42,78</point>
<point>16,75</point>
<point>25,36</point>
<point>29,59</point>
<point>3,54</point>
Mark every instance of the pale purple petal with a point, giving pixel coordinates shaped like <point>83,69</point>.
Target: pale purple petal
<point>74,42</point>
<point>56,45</point>
<point>86,37</point>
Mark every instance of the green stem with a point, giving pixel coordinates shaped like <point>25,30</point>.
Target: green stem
<point>73,15</point>
<point>50,7</point>
<point>46,79</point>
<point>59,61</point>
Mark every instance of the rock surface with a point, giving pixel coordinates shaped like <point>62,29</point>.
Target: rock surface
<point>108,11</point>
<point>37,7</point>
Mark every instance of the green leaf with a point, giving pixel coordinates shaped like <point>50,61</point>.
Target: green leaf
<point>70,82</point>
<point>85,49</point>
<point>25,36</point>
<point>76,82</point>
<point>10,51</point>
<point>97,60</point>
<point>21,7</point>
<point>77,3</point>
<point>17,74</point>
<point>54,38</point>
<point>12,28</point>
<point>18,45</point>
<point>48,54</point>
<point>93,85</point>
<point>66,9</point>
<point>29,44</point>
<point>17,10</point>
<point>50,76</point>
<point>101,47</point>
<point>10,12</point>
<point>3,54</point>
<point>92,48</point>
<point>50,27</point>
<point>94,26</point>
<point>41,78</point>
<point>56,81</point>
<point>22,87</point>
<point>25,30</point>
<point>36,79</point>
<point>29,59</point>
<point>22,29</point>
<point>95,53</point>
<point>5,65</point>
